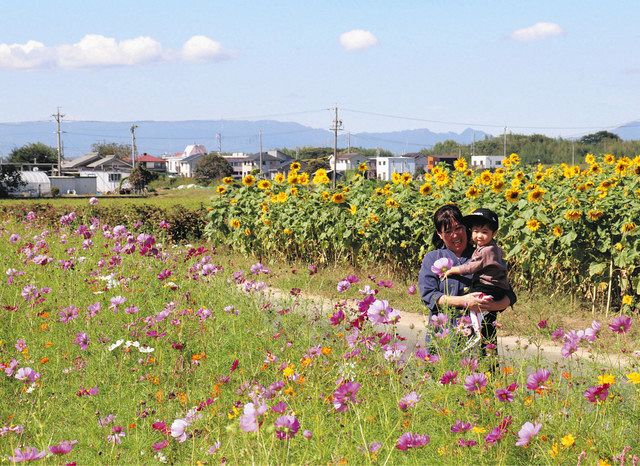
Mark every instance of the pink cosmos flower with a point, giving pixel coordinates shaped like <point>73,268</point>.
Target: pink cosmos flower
<point>21,345</point>
<point>537,379</point>
<point>526,433</point>
<point>620,324</point>
<point>82,340</point>
<point>597,393</point>
<point>93,309</point>
<point>28,454</point>
<point>160,445</point>
<point>68,314</point>
<point>10,369</point>
<point>466,443</point>
<point>379,311</point>
<point>63,447</point>
<point>307,434</point>
<point>412,289</point>
<point>14,238</point>
<point>27,374</point>
<point>31,216</point>
<point>93,201</point>
<point>460,426</point>
<point>214,448</point>
<point>249,418</point>
<point>441,265</point>
<point>343,286</point>
<point>279,408</point>
<point>178,430</point>
<point>469,363</point>
<point>506,394</point>
<point>117,432</point>
<point>448,377</point>
<point>313,269</point>
<point>476,382</point>
<point>344,394</point>
<point>116,301</point>
<point>408,401</point>
<point>286,427</point>
<point>411,440</point>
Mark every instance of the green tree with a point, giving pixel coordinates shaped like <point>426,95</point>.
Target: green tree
<point>140,177</point>
<point>37,151</point>
<point>10,179</point>
<point>599,137</point>
<point>123,151</point>
<point>212,167</point>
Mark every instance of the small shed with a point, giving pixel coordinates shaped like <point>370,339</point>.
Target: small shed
<point>75,184</point>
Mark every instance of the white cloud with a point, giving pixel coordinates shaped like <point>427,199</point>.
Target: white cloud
<point>95,50</point>
<point>537,32</point>
<point>202,48</point>
<point>357,39</point>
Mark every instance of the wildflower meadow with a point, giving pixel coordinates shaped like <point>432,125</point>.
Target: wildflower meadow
<point>120,346</point>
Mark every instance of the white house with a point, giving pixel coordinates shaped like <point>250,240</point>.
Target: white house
<point>486,161</point>
<point>243,163</point>
<point>109,172</point>
<point>184,163</point>
<point>386,166</point>
<point>348,161</point>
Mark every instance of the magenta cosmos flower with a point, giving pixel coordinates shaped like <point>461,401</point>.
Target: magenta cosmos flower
<point>597,393</point>
<point>441,265</point>
<point>537,379</point>
<point>408,401</point>
<point>28,454</point>
<point>526,433</point>
<point>82,340</point>
<point>475,382</point>
<point>344,394</point>
<point>411,440</point>
<point>63,447</point>
<point>448,377</point>
<point>286,427</point>
<point>620,324</point>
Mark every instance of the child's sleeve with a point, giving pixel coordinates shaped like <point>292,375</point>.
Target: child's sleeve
<point>473,265</point>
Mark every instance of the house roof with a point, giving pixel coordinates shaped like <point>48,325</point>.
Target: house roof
<point>149,158</point>
<point>81,161</point>
<point>108,160</point>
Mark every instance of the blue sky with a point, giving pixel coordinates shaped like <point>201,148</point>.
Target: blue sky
<point>556,67</point>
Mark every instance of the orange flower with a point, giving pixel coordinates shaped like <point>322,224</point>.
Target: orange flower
<point>44,360</point>
<point>198,356</point>
<point>326,350</point>
<point>182,398</point>
<point>132,426</point>
<point>159,396</point>
<point>508,370</point>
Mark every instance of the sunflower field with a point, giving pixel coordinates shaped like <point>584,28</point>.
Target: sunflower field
<point>571,228</point>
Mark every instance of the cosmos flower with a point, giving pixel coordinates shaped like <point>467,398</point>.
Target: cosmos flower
<point>82,340</point>
<point>286,427</point>
<point>526,433</point>
<point>410,440</point>
<point>620,324</point>
<point>537,379</point>
<point>475,382</point>
<point>441,265</point>
<point>597,393</point>
<point>63,447</point>
<point>460,426</point>
<point>343,286</point>
<point>27,454</point>
<point>408,401</point>
<point>344,394</point>
<point>448,377</point>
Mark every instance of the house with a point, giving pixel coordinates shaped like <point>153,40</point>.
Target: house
<point>433,160</point>
<point>184,163</point>
<point>110,171</point>
<point>151,163</point>
<point>386,166</point>
<point>242,163</point>
<point>486,161</point>
<point>421,161</point>
<point>347,161</point>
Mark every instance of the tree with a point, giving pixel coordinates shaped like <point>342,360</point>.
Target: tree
<point>597,138</point>
<point>123,151</point>
<point>212,167</point>
<point>140,177</point>
<point>10,179</point>
<point>37,151</point>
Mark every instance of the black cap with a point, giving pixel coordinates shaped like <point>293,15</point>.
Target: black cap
<point>482,217</point>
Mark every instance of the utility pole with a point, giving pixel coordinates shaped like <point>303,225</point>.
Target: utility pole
<point>349,142</point>
<point>473,145</point>
<point>134,150</point>
<point>59,118</point>
<point>337,124</point>
<point>219,141</point>
<point>504,151</point>
<point>573,153</point>
<point>260,137</point>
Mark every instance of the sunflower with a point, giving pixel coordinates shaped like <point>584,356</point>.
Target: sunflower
<point>441,179</point>
<point>392,203</point>
<point>279,178</point>
<point>303,178</point>
<point>460,164</point>
<point>395,178</point>
<point>515,183</point>
<point>627,300</point>
<point>497,186</point>
<point>221,189</point>
<point>536,194</point>
<point>426,189</point>
<point>353,209</point>
<point>573,215</point>
<point>234,223</point>
<point>227,180</point>
<point>249,180</point>
<point>338,198</point>
<point>514,158</point>
<point>468,173</point>
<point>594,215</point>
<point>374,218</point>
<point>621,167</point>
<point>293,191</point>
<point>264,184</point>
<point>406,178</point>
<point>590,158</point>
<point>557,231</point>
<point>287,231</point>
<point>325,195</point>
<point>472,192</point>
<point>295,166</point>
<point>247,232</point>
<point>363,167</point>
<point>539,177</point>
<point>534,224</point>
<point>595,169</point>
<point>609,159</point>
<point>282,197</point>
<point>292,177</point>
<point>486,177</point>
<point>512,195</point>
<point>628,227</point>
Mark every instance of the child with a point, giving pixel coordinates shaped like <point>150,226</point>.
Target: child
<point>486,264</point>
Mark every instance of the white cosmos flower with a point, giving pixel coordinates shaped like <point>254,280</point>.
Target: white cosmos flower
<point>116,344</point>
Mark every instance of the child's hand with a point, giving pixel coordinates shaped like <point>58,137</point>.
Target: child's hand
<point>485,298</point>
<point>446,273</point>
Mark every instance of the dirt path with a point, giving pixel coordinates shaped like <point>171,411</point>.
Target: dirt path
<point>412,326</point>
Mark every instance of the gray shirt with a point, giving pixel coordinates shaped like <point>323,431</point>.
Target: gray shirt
<point>487,266</point>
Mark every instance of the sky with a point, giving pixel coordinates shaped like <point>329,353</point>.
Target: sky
<point>561,67</point>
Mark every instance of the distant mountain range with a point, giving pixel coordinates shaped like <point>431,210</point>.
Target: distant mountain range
<point>161,137</point>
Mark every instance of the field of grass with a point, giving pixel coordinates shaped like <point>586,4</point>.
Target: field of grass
<point>118,347</point>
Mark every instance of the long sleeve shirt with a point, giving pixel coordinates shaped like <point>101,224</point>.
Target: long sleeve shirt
<point>487,266</point>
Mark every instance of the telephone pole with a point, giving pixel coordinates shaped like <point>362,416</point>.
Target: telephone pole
<point>219,140</point>
<point>58,116</point>
<point>260,137</point>
<point>337,124</point>
<point>134,150</point>
<point>504,151</point>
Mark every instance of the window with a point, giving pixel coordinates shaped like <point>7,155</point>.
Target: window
<point>115,177</point>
